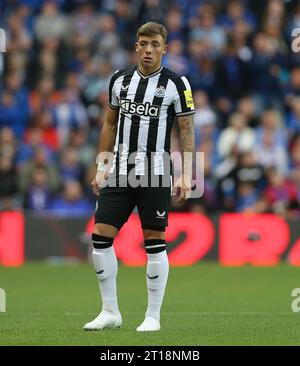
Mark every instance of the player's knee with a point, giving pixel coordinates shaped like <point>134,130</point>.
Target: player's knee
<point>106,230</point>
<point>153,234</point>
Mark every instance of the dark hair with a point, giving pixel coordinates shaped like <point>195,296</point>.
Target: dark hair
<point>151,28</point>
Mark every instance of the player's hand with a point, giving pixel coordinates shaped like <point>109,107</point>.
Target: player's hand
<point>182,188</point>
<point>99,181</point>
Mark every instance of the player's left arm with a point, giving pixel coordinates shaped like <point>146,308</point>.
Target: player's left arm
<point>187,143</point>
<point>187,133</point>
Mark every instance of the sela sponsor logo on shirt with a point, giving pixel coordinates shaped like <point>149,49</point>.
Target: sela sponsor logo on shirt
<point>141,109</point>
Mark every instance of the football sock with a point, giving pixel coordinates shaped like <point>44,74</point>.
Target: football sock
<point>157,275</point>
<point>106,266</point>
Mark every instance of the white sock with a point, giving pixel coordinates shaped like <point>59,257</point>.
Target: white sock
<point>157,270</point>
<point>106,264</point>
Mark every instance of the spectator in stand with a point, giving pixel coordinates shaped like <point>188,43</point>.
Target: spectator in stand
<point>44,96</point>
<point>70,167</point>
<point>293,20</point>
<point>272,25</point>
<point>295,176</point>
<point>247,107</point>
<point>43,123</point>
<point>206,182</point>
<point>18,37</point>
<point>280,194</point>
<point>8,183</point>
<point>205,119</point>
<point>83,22</point>
<point>85,152</point>
<point>40,160</point>
<point>33,141</point>
<point>96,79</point>
<point>50,61</point>
<point>25,11</point>
<point>235,12</point>
<point>174,23</point>
<point>108,43</point>
<point>8,144</point>
<point>231,73</point>
<point>201,67</point>
<point>72,202</point>
<point>205,28</point>
<point>271,120</point>
<point>271,155</point>
<point>249,171</point>
<point>14,106</point>
<point>122,17</point>
<point>238,136</point>
<point>50,23</point>
<point>247,198</point>
<point>142,11</point>
<point>294,153</point>
<point>69,113</point>
<point>292,89</point>
<point>264,72</point>
<point>241,182</point>
<point>38,193</point>
<point>175,59</point>
<point>293,118</point>
<point>10,114</point>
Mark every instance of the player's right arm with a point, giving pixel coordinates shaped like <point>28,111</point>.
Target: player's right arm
<point>107,140</point>
<point>108,136</point>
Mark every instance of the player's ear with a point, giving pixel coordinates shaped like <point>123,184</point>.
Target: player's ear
<point>165,49</point>
<point>136,47</point>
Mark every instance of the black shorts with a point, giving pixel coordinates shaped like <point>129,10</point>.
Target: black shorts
<point>115,204</point>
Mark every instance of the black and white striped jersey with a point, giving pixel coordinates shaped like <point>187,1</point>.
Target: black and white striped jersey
<point>147,107</point>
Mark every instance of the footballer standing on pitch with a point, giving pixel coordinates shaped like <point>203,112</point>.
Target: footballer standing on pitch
<point>143,102</point>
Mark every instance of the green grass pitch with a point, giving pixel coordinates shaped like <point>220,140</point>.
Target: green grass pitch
<point>205,304</point>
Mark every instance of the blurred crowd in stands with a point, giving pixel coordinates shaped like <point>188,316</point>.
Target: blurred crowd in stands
<point>236,54</point>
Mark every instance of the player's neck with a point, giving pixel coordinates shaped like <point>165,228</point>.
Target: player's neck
<point>148,71</point>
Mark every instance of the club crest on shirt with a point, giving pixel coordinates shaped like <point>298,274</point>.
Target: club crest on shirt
<point>160,91</point>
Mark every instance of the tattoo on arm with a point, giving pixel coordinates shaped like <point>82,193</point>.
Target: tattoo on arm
<point>187,134</point>
<point>187,142</point>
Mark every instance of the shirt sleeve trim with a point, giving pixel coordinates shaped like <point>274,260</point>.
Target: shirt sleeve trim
<point>113,106</point>
<point>185,113</point>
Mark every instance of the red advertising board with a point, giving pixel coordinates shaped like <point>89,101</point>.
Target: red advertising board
<point>232,239</point>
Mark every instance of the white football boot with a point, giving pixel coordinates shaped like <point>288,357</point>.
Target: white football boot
<point>104,320</point>
<point>149,325</point>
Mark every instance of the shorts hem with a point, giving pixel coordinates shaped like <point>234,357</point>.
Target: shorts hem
<point>107,222</point>
<point>154,227</point>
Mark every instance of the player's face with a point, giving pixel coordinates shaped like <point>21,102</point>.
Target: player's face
<point>150,50</point>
